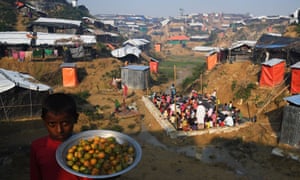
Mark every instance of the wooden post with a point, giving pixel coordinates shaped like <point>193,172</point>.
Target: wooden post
<point>201,79</point>
<point>147,85</point>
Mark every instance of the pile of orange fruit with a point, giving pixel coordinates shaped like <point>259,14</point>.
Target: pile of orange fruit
<point>99,156</point>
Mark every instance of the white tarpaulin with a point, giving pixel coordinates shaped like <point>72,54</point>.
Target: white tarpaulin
<point>5,84</point>
<point>21,37</point>
<point>10,79</point>
<point>122,52</point>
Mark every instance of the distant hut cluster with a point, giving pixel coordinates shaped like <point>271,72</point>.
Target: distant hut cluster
<point>48,38</point>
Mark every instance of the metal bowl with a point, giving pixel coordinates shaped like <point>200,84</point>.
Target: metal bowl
<point>61,151</point>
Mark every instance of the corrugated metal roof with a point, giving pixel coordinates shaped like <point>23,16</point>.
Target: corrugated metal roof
<point>68,65</point>
<point>293,99</point>
<point>136,67</point>
<point>136,42</point>
<point>57,20</point>
<point>272,62</point>
<point>242,43</point>
<point>205,48</point>
<point>20,38</point>
<point>10,79</point>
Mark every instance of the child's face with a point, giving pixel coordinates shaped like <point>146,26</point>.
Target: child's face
<point>59,126</point>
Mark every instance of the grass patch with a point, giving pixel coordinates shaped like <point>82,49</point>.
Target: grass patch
<point>166,67</point>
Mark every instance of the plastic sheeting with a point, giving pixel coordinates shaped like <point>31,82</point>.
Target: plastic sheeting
<point>77,52</point>
<point>295,78</point>
<point>69,74</point>
<point>272,72</point>
<point>154,66</point>
<point>21,80</point>
<point>20,38</point>
<point>20,95</point>
<point>124,51</point>
<point>211,61</point>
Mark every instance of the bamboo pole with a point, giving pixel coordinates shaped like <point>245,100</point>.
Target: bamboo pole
<point>201,79</point>
<point>176,120</point>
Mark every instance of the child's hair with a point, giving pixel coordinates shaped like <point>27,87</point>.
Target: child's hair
<point>60,103</point>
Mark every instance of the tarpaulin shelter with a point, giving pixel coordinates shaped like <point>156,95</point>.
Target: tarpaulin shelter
<point>272,72</point>
<point>157,47</point>
<point>211,60</point>
<point>295,78</point>
<point>136,76</point>
<point>153,65</point>
<point>21,95</point>
<point>290,127</point>
<point>126,50</point>
<point>69,74</point>
<point>277,46</point>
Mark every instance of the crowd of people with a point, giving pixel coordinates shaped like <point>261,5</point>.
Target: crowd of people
<point>196,111</point>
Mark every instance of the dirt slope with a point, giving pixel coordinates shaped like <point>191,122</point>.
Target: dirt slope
<point>245,154</point>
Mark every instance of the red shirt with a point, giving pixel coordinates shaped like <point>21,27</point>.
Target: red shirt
<point>43,165</point>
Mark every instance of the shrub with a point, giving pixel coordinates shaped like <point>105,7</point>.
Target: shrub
<point>233,85</point>
<point>244,92</point>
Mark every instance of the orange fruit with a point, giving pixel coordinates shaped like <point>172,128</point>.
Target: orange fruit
<point>93,161</point>
<point>102,140</point>
<point>86,163</point>
<point>87,147</point>
<point>69,156</point>
<point>101,155</point>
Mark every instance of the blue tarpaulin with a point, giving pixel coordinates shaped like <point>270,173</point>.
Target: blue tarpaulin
<point>293,99</point>
<point>271,46</point>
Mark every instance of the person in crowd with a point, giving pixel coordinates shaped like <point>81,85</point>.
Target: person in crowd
<point>237,116</point>
<point>114,83</point>
<point>214,94</point>
<point>200,115</point>
<point>210,114</point>
<point>165,114</point>
<point>117,106</point>
<point>59,115</point>
<point>228,121</point>
<point>173,90</point>
<point>230,106</point>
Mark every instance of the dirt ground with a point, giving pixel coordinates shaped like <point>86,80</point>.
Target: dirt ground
<point>245,154</point>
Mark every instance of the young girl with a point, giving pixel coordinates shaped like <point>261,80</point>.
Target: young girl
<point>59,115</point>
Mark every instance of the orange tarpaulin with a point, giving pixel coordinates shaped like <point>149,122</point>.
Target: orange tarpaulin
<point>295,78</point>
<point>272,72</point>
<point>179,38</point>
<point>69,74</point>
<point>153,66</point>
<point>211,61</point>
<point>157,47</point>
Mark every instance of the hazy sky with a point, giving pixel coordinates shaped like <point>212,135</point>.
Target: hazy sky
<point>165,8</point>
